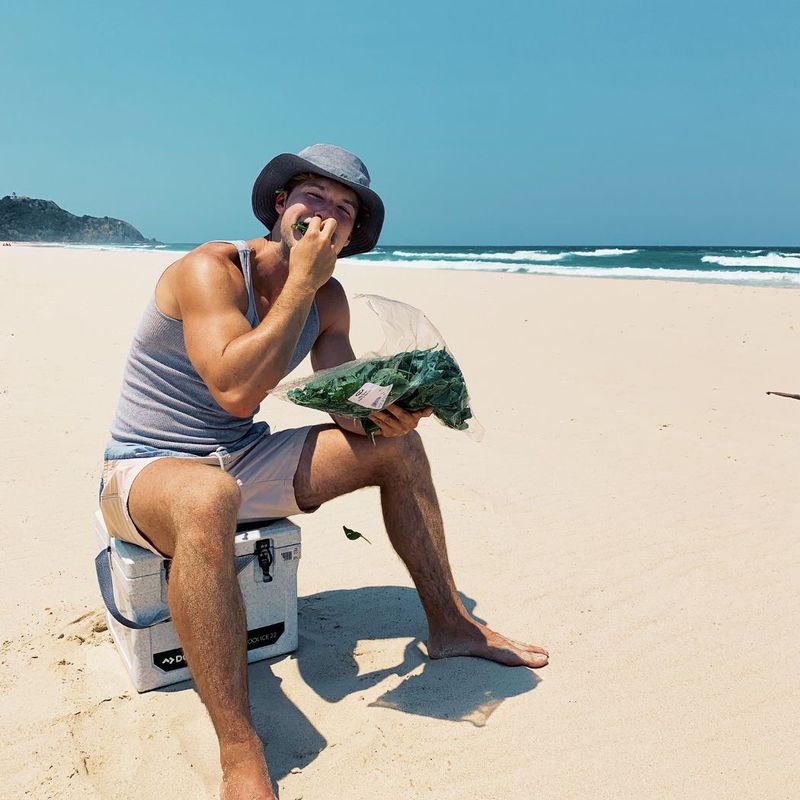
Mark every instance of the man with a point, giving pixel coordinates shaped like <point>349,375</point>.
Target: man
<point>225,324</point>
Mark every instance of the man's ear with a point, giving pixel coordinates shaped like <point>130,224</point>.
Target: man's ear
<point>280,201</point>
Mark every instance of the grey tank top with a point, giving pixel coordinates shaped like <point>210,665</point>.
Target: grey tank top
<point>165,404</point>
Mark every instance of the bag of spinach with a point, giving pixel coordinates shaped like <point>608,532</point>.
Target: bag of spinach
<point>413,369</point>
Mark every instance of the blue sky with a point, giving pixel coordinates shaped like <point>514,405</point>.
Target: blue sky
<point>571,122</point>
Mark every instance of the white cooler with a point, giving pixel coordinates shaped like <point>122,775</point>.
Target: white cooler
<point>133,582</point>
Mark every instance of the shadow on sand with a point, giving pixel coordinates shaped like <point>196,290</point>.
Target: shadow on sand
<point>331,625</point>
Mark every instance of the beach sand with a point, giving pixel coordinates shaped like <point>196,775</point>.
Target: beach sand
<point>632,507</point>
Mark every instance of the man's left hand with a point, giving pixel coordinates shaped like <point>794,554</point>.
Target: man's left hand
<point>395,421</point>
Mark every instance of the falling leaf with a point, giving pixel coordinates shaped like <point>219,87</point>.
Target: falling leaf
<point>353,535</point>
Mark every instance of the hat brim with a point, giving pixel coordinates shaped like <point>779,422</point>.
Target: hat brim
<point>284,167</point>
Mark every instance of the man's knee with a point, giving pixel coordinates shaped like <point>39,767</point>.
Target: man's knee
<point>411,444</point>
<point>208,507</point>
<point>402,454</point>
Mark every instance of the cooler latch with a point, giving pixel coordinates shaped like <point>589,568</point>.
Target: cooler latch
<point>266,556</point>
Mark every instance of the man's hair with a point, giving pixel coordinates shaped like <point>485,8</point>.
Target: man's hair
<point>296,180</point>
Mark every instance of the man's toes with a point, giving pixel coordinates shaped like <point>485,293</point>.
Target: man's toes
<point>520,647</point>
<point>533,656</point>
<point>529,648</point>
<point>525,655</point>
<point>536,660</point>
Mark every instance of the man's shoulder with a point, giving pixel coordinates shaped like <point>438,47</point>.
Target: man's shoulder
<point>332,292</point>
<point>332,305</point>
<point>210,261</point>
<point>210,255</point>
<point>332,296</point>
<point>211,267</point>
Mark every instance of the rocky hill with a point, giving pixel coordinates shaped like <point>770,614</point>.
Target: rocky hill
<point>26,219</point>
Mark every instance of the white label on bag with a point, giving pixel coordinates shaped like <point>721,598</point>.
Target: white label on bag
<point>370,395</point>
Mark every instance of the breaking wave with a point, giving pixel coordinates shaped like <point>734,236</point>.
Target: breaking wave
<point>772,260</point>
<point>755,277</point>
<point>535,256</point>
<point>517,255</point>
<point>603,251</point>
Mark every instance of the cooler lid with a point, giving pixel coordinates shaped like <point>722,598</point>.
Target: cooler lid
<point>282,532</point>
<point>131,560</point>
<point>135,562</point>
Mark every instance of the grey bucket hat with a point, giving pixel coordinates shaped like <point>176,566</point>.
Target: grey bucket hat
<point>330,162</point>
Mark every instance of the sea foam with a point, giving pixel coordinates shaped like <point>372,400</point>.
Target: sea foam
<point>772,260</point>
<point>642,273</point>
<point>453,255</point>
<point>603,251</point>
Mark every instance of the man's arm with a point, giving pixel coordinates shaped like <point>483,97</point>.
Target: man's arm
<point>241,365</point>
<point>333,348</point>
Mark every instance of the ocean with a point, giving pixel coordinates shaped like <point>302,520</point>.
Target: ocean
<point>761,266</point>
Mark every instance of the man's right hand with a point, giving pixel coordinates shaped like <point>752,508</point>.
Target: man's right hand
<point>313,258</point>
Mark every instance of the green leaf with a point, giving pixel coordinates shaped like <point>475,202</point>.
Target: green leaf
<point>353,535</point>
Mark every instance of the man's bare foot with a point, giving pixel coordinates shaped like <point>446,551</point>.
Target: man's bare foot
<point>245,777</point>
<point>474,639</point>
<point>241,784</point>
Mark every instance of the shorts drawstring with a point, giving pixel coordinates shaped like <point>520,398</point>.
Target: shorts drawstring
<point>218,454</point>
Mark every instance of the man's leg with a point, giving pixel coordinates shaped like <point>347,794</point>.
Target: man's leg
<point>189,511</point>
<point>335,462</point>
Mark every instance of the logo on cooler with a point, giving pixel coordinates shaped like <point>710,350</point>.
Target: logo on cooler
<point>169,660</point>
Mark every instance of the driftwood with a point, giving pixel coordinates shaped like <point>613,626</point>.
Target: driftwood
<point>785,394</point>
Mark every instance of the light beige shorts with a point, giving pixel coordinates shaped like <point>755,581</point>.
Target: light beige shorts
<point>265,474</point>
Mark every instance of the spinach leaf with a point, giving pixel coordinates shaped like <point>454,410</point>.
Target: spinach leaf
<point>418,379</point>
<point>353,535</point>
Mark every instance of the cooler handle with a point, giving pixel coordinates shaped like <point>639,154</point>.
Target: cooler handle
<point>102,565</point>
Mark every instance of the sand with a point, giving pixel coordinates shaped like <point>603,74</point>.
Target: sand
<point>632,507</point>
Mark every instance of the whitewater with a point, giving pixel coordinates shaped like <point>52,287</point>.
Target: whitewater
<point>755,266</point>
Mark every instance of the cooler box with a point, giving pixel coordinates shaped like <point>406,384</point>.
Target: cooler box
<point>267,556</point>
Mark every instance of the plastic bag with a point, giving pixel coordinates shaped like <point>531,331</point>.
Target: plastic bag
<point>413,368</point>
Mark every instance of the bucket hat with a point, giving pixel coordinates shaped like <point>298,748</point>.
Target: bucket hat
<point>331,162</point>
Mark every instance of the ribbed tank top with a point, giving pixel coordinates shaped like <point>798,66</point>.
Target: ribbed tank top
<point>165,404</point>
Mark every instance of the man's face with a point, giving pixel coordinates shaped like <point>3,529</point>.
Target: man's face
<point>317,197</point>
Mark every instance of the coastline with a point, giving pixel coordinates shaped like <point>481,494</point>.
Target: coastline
<point>631,507</point>
<point>764,267</point>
